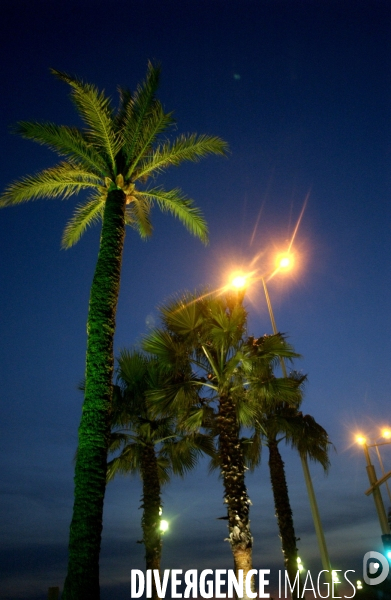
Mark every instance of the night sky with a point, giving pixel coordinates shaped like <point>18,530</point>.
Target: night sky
<point>301,92</point>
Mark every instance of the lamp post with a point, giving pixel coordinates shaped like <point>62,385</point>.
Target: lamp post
<point>285,262</point>
<point>386,434</point>
<point>324,555</point>
<point>375,484</point>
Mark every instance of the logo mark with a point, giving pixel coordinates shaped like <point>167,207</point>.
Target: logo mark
<point>372,568</point>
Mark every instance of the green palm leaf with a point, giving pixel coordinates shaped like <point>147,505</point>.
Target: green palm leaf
<point>160,344</point>
<point>127,462</point>
<point>64,180</point>
<point>268,391</point>
<point>137,215</point>
<point>95,109</point>
<point>181,207</point>
<point>137,107</point>
<point>85,215</point>
<point>125,108</point>
<point>156,121</point>
<point>185,148</point>
<point>172,398</point>
<point>66,141</point>
<point>183,315</point>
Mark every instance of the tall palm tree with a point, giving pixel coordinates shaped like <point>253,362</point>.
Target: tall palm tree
<point>154,447</point>
<point>208,333</point>
<point>113,156</point>
<point>284,422</point>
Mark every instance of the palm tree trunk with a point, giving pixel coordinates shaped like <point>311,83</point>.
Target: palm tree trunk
<point>82,581</point>
<point>236,498</point>
<point>151,503</point>
<point>283,508</point>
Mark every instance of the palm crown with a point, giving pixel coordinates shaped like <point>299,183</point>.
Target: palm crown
<point>116,150</point>
<point>135,426</point>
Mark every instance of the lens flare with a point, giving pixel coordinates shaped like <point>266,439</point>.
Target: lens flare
<point>285,261</point>
<point>239,281</point>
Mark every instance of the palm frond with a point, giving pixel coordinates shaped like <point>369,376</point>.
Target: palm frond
<point>155,122</point>
<point>63,180</point>
<point>66,141</point>
<point>125,105</point>
<point>245,410</point>
<point>127,462</point>
<point>137,215</point>
<point>161,344</point>
<point>310,439</point>
<point>181,207</point>
<point>183,315</point>
<point>132,368</point>
<point>118,439</point>
<point>267,392</point>
<point>96,111</point>
<point>185,148</point>
<point>85,215</point>
<point>252,449</point>
<point>137,107</point>
<point>174,398</point>
<point>195,419</point>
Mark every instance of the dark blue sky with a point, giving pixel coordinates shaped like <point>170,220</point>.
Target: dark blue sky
<point>301,91</point>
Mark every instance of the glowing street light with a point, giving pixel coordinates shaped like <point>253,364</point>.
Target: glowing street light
<point>284,262</point>
<point>239,282</point>
<point>360,439</point>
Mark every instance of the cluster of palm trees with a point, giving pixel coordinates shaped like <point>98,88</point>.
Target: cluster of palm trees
<point>203,385</point>
<point>213,377</point>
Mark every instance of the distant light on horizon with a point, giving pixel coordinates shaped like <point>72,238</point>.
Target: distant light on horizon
<point>163,525</point>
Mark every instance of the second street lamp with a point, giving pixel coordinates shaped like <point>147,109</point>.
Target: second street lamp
<point>375,486</point>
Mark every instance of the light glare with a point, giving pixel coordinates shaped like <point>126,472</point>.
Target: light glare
<point>163,525</point>
<point>360,439</point>
<point>285,261</point>
<point>335,577</point>
<point>239,282</point>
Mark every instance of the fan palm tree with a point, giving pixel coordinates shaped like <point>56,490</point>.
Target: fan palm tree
<point>207,332</point>
<point>280,422</point>
<point>152,446</point>
<point>113,156</point>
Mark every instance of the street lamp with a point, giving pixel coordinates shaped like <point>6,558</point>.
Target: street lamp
<point>385,434</point>
<point>375,484</point>
<point>285,262</point>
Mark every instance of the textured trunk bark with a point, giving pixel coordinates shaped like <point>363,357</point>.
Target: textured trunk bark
<point>283,508</point>
<point>151,502</point>
<point>236,498</point>
<point>82,581</point>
